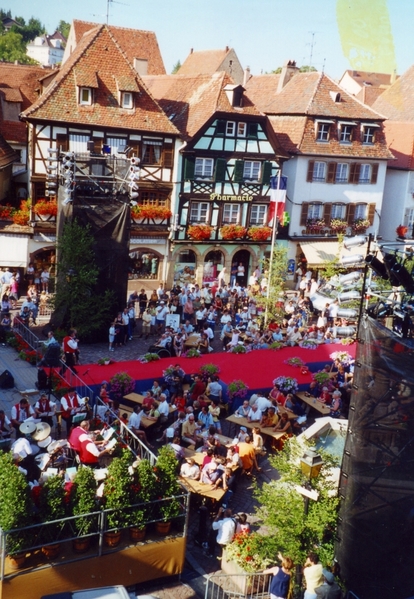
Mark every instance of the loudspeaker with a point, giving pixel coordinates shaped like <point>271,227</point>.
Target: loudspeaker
<point>6,380</point>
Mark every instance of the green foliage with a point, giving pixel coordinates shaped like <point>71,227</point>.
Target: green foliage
<point>118,492</point>
<point>52,506</point>
<point>251,551</point>
<point>307,69</point>
<point>75,299</point>
<point>64,28</point>
<point>83,499</point>
<point>16,507</point>
<point>282,507</point>
<point>147,481</point>
<point>276,273</point>
<point>33,29</point>
<point>166,471</point>
<point>333,267</point>
<point>176,67</point>
<point>13,48</point>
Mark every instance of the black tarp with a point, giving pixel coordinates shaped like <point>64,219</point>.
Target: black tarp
<point>375,547</point>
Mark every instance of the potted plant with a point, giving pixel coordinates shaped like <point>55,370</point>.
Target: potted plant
<point>315,224</point>
<point>401,231</point>
<point>52,506</point>
<point>104,361</point>
<point>22,216</point>
<point>46,209</point>
<point>360,225</point>
<point>6,212</point>
<point>16,510</point>
<point>121,384</point>
<point>343,356</point>
<point>140,212</point>
<point>199,232</point>
<point>276,345</point>
<point>146,487</point>
<point>208,370</point>
<point>262,233</point>
<point>237,388</point>
<point>286,384</point>
<point>191,353</point>
<point>117,496</point>
<point>167,488</point>
<point>338,225</point>
<point>231,232</point>
<point>83,501</point>
<point>295,362</point>
<point>309,344</point>
<point>321,377</point>
<point>238,349</point>
<point>148,357</point>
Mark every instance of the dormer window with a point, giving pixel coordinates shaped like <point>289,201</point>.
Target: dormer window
<point>127,100</point>
<point>345,132</point>
<point>230,128</point>
<point>85,96</point>
<point>241,129</point>
<point>368,133</point>
<point>323,129</point>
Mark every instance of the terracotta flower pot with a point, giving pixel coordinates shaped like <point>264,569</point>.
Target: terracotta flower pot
<point>81,545</point>
<point>51,551</point>
<point>137,534</point>
<point>163,528</point>
<point>16,561</point>
<point>112,539</point>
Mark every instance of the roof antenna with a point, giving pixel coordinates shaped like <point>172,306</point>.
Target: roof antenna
<point>323,66</point>
<point>311,48</point>
<point>108,2</point>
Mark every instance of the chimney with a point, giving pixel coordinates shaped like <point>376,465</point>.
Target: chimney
<point>191,50</point>
<point>393,77</point>
<point>289,69</point>
<point>246,76</point>
<point>227,48</point>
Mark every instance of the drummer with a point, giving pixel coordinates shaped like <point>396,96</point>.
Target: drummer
<point>45,409</point>
<point>19,413</point>
<point>42,436</point>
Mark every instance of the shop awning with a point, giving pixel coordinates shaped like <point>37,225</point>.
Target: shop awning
<point>14,250</point>
<point>319,252</point>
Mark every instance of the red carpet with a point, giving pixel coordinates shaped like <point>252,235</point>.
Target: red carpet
<point>257,368</point>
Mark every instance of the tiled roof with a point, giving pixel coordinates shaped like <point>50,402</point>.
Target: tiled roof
<point>99,52</point>
<point>397,102</point>
<point>85,78</point>
<point>19,81</point>
<point>370,79</point>
<point>7,154</point>
<point>289,130</point>
<point>368,95</point>
<point>400,139</point>
<point>190,101</point>
<point>134,42</point>
<point>204,62</point>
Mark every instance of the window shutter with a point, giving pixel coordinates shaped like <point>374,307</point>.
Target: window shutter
<point>371,213</point>
<point>220,128</point>
<point>167,157</point>
<point>309,176</point>
<point>238,171</point>
<point>354,172</point>
<point>304,214</point>
<point>374,173</point>
<point>252,129</point>
<point>62,142</point>
<point>350,213</point>
<point>220,169</point>
<point>331,172</point>
<point>189,168</point>
<point>327,213</point>
<point>97,144</point>
<point>266,172</point>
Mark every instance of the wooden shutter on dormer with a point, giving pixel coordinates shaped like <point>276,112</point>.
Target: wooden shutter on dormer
<point>304,214</point>
<point>220,128</point>
<point>266,172</point>
<point>238,171</point>
<point>327,208</point>
<point>331,172</point>
<point>309,176</point>
<point>189,168</point>
<point>374,173</point>
<point>354,172</point>
<point>62,142</point>
<point>350,213</point>
<point>220,169</point>
<point>371,213</point>
<point>168,154</point>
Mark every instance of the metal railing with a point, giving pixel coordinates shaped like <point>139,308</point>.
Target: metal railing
<point>227,586</point>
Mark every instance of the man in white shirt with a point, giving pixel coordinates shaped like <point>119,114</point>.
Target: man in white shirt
<point>161,313</point>
<point>163,408</point>
<point>294,337</point>
<point>134,423</point>
<point>225,530</point>
<point>262,403</point>
<point>190,469</point>
<point>254,415</point>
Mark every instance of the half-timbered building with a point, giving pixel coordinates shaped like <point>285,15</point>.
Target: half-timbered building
<point>229,155</point>
<point>98,105</point>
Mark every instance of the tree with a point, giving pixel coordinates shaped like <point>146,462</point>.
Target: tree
<point>76,302</point>
<point>33,29</point>
<point>275,283</point>
<point>12,48</point>
<point>176,67</point>
<point>64,28</point>
<point>304,69</point>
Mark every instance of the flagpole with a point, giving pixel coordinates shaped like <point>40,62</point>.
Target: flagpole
<point>272,251</point>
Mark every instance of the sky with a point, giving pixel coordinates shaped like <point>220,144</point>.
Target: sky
<point>331,35</point>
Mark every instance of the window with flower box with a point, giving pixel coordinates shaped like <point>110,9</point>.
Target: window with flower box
<point>338,211</point>
<point>315,211</point>
<point>258,214</point>
<point>231,214</point>
<point>360,211</point>
<point>199,212</point>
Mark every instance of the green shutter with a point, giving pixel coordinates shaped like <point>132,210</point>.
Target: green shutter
<point>266,172</point>
<point>238,171</point>
<point>221,128</point>
<point>252,129</point>
<point>189,168</point>
<point>220,169</point>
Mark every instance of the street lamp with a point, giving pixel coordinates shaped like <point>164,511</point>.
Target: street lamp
<point>311,464</point>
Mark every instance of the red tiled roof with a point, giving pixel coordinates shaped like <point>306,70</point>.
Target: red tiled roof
<point>397,102</point>
<point>134,42</point>
<point>400,140</point>
<point>19,83</point>
<point>204,62</point>
<point>289,130</point>
<point>99,52</point>
<point>370,79</point>
<point>368,95</point>
<point>190,101</point>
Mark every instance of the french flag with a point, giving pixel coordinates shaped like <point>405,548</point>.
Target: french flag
<point>277,198</point>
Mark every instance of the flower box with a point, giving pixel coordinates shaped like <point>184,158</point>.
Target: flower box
<point>259,233</point>
<point>232,232</point>
<point>45,209</point>
<point>150,214</point>
<point>199,232</point>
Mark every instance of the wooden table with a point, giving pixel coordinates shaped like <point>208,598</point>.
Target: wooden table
<point>192,341</point>
<point>195,486</point>
<point>198,456</point>
<point>313,403</point>
<point>223,440</point>
<point>264,430</point>
<point>137,398</point>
